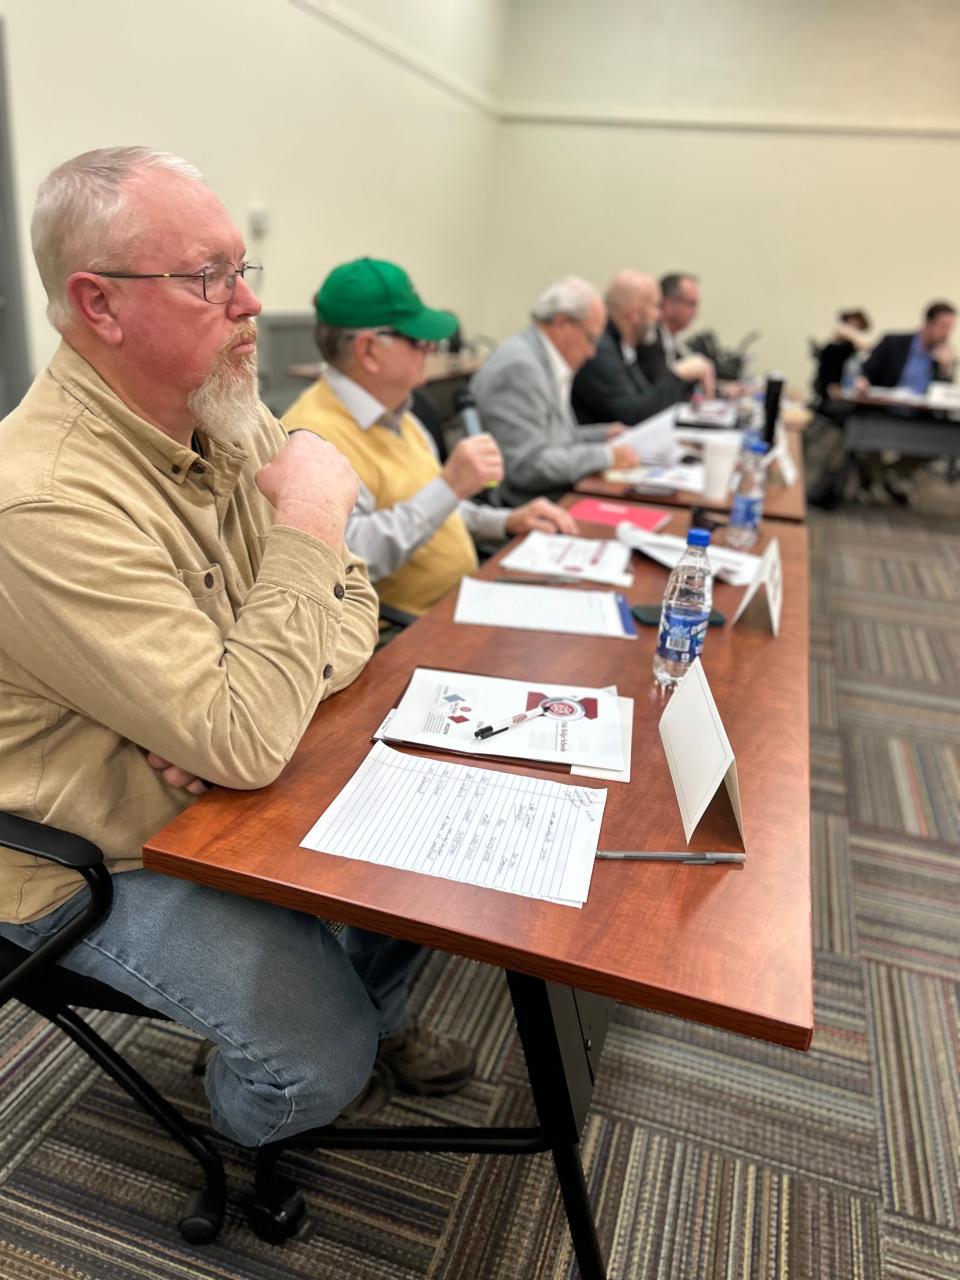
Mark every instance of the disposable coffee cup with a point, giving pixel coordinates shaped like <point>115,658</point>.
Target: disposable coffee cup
<point>719,460</point>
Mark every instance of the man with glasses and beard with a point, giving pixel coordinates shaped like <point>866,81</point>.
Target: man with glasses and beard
<point>413,523</point>
<point>523,395</point>
<point>177,598</point>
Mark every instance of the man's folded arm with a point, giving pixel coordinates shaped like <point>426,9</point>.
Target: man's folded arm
<point>111,630</point>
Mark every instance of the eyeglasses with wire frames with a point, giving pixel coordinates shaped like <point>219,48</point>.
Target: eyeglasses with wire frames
<point>218,279</point>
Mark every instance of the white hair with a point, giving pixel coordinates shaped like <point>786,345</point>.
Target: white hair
<point>81,221</point>
<point>572,297</point>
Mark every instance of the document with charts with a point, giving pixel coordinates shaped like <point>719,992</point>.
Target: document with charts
<point>572,724</point>
<point>477,826</point>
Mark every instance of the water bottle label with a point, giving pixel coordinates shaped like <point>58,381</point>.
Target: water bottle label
<point>745,511</point>
<point>681,635</point>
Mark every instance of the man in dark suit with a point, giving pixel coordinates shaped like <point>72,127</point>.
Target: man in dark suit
<point>612,386</point>
<point>660,349</point>
<point>914,360</point>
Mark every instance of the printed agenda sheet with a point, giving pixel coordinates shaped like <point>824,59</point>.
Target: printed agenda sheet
<point>592,559</point>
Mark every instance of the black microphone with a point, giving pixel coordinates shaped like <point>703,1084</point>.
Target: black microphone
<point>771,405</point>
<point>466,407</point>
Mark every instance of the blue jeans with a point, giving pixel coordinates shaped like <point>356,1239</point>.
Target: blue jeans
<point>294,1011</point>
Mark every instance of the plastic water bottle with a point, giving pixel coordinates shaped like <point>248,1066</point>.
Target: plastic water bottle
<point>687,602</point>
<point>747,506</point>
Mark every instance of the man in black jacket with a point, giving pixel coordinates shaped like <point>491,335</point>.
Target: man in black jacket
<point>611,387</point>
<point>914,360</point>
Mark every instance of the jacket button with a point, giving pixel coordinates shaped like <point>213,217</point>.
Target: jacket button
<point>197,468</point>
<point>349,569</point>
<point>327,671</point>
<point>208,580</point>
<point>338,591</point>
<point>175,469</point>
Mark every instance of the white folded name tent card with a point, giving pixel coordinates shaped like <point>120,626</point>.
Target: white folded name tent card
<point>769,575</point>
<point>698,751</point>
<point>778,460</point>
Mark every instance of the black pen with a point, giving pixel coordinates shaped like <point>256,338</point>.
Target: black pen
<point>488,730</point>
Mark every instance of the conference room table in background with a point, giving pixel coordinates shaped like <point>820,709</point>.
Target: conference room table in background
<point>915,426</point>
<point>781,502</point>
<point>725,945</point>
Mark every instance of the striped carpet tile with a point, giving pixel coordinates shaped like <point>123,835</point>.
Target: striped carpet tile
<point>907,902</point>
<point>833,920</point>
<point>915,1020</point>
<point>912,1251</point>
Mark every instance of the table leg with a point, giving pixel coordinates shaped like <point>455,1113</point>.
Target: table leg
<point>562,1034</point>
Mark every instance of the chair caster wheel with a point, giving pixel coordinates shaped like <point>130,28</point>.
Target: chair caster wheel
<point>202,1219</point>
<point>279,1218</point>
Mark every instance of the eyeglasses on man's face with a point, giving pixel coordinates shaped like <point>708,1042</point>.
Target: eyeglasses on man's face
<point>418,344</point>
<point>218,280</point>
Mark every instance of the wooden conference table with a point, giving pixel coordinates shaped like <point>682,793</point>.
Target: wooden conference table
<point>782,502</point>
<point>725,945</point>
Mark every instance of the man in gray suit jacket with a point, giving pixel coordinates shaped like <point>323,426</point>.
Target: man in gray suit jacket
<point>523,397</point>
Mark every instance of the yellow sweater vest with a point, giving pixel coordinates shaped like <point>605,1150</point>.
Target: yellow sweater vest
<point>394,468</point>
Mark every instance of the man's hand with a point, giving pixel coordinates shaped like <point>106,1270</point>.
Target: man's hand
<point>860,385</point>
<point>541,514</point>
<point>175,776</point>
<point>698,369</point>
<point>615,429</point>
<point>943,355</point>
<point>625,456</point>
<point>473,464</point>
<point>312,486</point>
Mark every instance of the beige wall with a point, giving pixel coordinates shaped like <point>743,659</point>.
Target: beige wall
<point>798,157</point>
<point>776,149</point>
<point>328,124</point>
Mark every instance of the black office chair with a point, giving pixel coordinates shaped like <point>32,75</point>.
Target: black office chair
<point>36,980</point>
<point>426,411</point>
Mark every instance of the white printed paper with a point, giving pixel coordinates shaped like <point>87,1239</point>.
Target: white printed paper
<point>574,725</point>
<point>684,475</point>
<point>698,751</point>
<point>653,440</point>
<point>592,559</point>
<point>769,574</point>
<point>570,612</point>
<point>626,739</point>
<point>736,567</point>
<point>476,826</point>
<point>708,413</point>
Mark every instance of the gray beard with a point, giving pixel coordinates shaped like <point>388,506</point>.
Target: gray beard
<point>226,405</point>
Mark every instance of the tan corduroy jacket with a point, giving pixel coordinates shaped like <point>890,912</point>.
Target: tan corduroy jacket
<point>148,602</point>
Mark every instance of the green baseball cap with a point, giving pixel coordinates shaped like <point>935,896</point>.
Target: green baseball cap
<point>368,293</point>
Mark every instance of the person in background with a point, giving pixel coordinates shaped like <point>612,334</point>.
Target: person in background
<point>838,360</point>
<point>612,385</point>
<point>177,600</point>
<point>659,349</point>
<point>412,523</point>
<point>523,397</point>
<point>914,360</point>
<point>910,361</point>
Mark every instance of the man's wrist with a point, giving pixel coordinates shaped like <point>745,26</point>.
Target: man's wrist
<point>313,519</point>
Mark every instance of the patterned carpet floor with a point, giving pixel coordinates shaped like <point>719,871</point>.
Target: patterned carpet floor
<point>709,1157</point>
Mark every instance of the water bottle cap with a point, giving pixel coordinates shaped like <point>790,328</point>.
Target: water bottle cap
<point>698,538</point>
<point>758,446</point>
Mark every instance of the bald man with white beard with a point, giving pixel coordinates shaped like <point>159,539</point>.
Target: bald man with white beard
<point>611,386</point>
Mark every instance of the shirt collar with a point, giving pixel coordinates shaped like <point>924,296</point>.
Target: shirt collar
<point>562,373</point>
<point>80,380</point>
<point>365,409</point>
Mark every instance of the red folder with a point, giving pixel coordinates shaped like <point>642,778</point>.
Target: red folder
<point>603,511</point>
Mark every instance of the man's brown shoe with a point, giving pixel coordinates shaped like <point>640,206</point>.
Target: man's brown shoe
<point>422,1061</point>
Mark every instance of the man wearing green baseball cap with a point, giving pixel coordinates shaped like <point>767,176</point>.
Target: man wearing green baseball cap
<point>412,522</point>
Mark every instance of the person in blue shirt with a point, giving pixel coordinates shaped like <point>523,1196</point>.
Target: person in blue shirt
<point>910,361</point>
<point>914,360</point>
